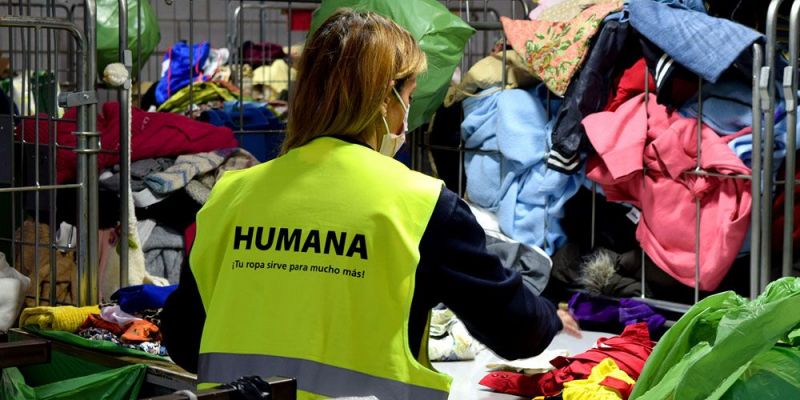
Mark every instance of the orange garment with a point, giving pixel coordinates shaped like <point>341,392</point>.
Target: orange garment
<point>141,331</point>
<point>95,321</point>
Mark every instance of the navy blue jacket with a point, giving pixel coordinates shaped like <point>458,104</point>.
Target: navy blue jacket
<point>454,268</point>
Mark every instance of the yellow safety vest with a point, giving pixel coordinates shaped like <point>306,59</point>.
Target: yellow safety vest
<point>306,268</point>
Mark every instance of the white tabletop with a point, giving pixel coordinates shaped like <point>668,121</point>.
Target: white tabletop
<point>467,374</point>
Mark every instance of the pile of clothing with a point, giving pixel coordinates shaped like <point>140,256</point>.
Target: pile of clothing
<point>131,320</point>
<point>167,194</point>
<point>175,163</point>
<point>199,83</point>
<point>606,372</point>
<point>589,125</point>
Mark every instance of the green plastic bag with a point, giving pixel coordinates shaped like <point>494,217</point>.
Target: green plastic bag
<point>441,35</point>
<point>114,384</point>
<point>769,377</point>
<point>714,349</point>
<point>108,33</point>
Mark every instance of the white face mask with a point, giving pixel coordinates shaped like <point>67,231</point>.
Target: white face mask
<point>392,143</point>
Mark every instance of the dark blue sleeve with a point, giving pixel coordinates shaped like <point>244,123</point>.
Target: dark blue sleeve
<point>182,321</point>
<point>454,269</point>
<point>494,304</point>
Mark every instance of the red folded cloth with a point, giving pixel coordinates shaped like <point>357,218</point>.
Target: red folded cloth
<point>152,135</point>
<point>629,350</point>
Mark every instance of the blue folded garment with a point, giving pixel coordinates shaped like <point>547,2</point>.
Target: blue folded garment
<point>134,299</point>
<point>179,69</point>
<point>703,44</point>
<point>514,181</point>
<point>250,122</point>
<point>727,109</point>
<point>251,116</point>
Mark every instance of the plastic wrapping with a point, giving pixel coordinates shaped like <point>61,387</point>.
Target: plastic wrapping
<point>108,33</point>
<point>728,348</point>
<point>114,384</point>
<point>441,35</point>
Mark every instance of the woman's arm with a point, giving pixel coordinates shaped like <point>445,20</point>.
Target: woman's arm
<point>492,301</point>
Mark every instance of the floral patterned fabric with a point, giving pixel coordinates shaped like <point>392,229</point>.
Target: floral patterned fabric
<point>555,50</point>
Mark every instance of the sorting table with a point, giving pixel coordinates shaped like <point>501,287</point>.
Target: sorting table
<point>467,374</point>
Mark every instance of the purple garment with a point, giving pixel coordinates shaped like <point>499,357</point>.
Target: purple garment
<point>258,54</point>
<point>586,308</point>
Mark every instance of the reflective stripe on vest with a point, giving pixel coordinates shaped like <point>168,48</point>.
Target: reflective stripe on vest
<point>311,377</point>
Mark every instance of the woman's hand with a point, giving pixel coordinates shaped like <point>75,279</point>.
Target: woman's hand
<point>570,325</point>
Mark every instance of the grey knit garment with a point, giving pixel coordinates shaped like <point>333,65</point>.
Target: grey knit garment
<point>139,170</point>
<point>191,166</point>
<point>534,266</point>
<point>163,253</point>
<point>200,187</point>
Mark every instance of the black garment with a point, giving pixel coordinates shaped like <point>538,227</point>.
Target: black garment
<point>454,268</point>
<point>752,13</point>
<point>149,98</point>
<point>674,83</point>
<point>447,132</point>
<point>613,229</point>
<point>7,106</point>
<point>589,93</point>
<point>177,211</point>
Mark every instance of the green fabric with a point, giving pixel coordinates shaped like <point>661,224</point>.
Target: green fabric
<point>108,33</point>
<point>441,35</point>
<point>114,384</point>
<point>715,346</point>
<point>204,92</point>
<point>100,345</point>
<point>12,386</point>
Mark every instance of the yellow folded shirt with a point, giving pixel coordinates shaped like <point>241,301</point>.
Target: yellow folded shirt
<point>593,388</point>
<point>64,318</point>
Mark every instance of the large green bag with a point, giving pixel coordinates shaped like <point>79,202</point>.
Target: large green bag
<point>114,384</point>
<point>441,35</point>
<point>726,347</point>
<point>108,33</point>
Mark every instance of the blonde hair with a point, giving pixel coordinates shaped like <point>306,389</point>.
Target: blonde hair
<point>344,77</point>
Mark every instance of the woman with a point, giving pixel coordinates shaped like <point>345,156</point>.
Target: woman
<point>324,263</point>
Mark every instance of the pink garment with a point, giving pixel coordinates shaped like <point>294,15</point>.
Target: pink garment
<point>115,315</point>
<point>666,144</point>
<point>153,135</point>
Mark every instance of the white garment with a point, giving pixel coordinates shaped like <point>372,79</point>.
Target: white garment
<point>13,286</point>
<point>449,338</point>
<point>488,221</point>
<point>114,314</point>
<point>10,294</point>
<point>146,198</point>
<point>529,366</point>
<point>216,59</point>
<point>24,97</point>
<point>67,236</point>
